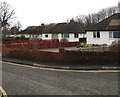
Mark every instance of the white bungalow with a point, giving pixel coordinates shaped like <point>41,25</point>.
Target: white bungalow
<point>105,32</point>
<point>70,31</point>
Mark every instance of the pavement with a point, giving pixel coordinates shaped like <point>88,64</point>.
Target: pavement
<point>68,66</point>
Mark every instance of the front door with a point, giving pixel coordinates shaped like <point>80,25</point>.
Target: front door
<point>54,36</point>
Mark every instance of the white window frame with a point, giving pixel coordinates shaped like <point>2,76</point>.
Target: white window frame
<point>65,35</point>
<point>76,34</point>
<point>112,34</point>
<point>95,34</point>
<point>46,35</point>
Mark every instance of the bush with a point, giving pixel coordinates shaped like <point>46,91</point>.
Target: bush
<point>55,40</point>
<point>64,40</point>
<point>115,46</point>
<point>98,45</point>
<point>17,38</point>
<point>83,45</point>
<point>8,39</point>
<point>22,47</point>
<point>22,37</point>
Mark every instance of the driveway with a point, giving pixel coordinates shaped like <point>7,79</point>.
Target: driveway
<point>57,49</point>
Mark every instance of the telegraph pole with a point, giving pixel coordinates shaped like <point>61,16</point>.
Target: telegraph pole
<point>0,56</point>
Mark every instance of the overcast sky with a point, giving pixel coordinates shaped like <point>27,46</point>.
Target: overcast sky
<point>35,12</point>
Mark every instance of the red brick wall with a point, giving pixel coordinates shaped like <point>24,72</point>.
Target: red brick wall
<point>68,56</point>
<point>5,51</point>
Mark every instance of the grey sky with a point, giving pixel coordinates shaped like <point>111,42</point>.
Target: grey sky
<point>35,12</point>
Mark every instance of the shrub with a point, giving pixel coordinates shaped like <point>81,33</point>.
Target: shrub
<point>64,40</point>
<point>98,45</point>
<point>104,44</point>
<point>22,47</point>
<point>115,46</point>
<point>55,40</point>
<point>22,37</point>
<point>17,38</point>
<point>83,45</point>
<point>8,39</point>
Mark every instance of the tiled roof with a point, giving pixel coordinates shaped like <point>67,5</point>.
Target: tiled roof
<point>110,23</point>
<point>27,31</point>
<point>71,27</point>
<point>65,28</point>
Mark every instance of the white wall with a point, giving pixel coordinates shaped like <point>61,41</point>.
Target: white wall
<point>71,37</point>
<point>33,36</point>
<point>42,36</point>
<point>82,35</point>
<point>59,36</point>
<point>46,38</point>
<point>104,38</point>
<point>27,36</point>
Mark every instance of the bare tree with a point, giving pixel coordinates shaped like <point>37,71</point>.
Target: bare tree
<point>102,14</point>
<point>13,30</point>
<point>119,7</point>
<point>6,14</point>
<point>86,21</point>
<point>81,20</point>
<point>18,25</point>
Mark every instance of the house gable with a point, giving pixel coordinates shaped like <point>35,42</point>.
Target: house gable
<point>109,31</point>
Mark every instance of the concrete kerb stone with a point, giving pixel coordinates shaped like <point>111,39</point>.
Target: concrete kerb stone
<point>66,67</point>
<point>18,62</point>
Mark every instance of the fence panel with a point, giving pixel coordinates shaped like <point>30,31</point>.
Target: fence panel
<point>40,44</point>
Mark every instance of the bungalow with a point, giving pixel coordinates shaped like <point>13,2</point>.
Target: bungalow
<point>105,32</point>
<point>70,31</point>
<point>28,32</point>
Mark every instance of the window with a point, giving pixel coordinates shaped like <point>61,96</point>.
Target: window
<point>46,35</point>
<point>65,35</point>
<point>114,34</point>
<point>62,35</point>
<point>75,35</point>
<point>110,35</point>
<point>96,34</point>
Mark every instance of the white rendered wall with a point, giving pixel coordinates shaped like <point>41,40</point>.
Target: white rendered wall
<point>40,36</point>
<point>71,37</point>
<point>46,38</point>
<point>104,38</point>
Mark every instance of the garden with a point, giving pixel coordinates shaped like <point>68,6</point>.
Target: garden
<point>65,56</point>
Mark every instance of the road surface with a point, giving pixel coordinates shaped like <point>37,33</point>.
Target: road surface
<point>20,80</point>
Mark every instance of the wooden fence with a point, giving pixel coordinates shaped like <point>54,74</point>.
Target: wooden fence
<point>38,44</point>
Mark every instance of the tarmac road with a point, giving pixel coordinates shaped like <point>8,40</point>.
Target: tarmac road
<point>20,80</point>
